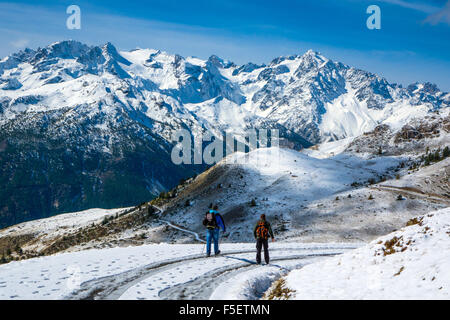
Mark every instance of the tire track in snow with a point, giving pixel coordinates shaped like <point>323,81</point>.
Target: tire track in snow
<point>104,288</point>
<point>113,287</point>
<point>192,280</point>
<point>202,288</point>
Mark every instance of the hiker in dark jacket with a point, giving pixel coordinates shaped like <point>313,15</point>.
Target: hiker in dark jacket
<point>213,222</point>
<point>262,232</point>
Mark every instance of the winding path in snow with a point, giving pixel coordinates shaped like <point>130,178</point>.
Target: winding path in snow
<point>217,283</point>
<point>231,275</point>
<point>195,234</point>
<point>160,212</point>
<point>412,192</point>
<point>198,277</point>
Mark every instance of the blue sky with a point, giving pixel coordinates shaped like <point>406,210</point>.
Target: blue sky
<point>412,45</point>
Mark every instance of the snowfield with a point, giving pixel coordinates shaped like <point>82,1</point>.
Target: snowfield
<point>251,284</point>
<point>312,178</point>
<point>60,225</point>
<point>66,221</point>
<point>416,267</point>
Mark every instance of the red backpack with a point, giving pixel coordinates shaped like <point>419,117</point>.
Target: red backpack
<point>262,231</point>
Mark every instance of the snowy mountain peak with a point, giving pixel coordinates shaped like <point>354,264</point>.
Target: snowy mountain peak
<point>312,60</point>
<point>63,50</point>
<point>110,51</point>
<point>314,55</point>
<point>216,61</point>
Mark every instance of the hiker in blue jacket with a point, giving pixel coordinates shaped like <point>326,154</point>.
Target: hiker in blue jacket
<point>213,222</point>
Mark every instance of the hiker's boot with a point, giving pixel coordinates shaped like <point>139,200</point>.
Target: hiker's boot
<point>217,253</point>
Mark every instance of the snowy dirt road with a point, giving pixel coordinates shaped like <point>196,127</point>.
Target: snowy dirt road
<point>413,192</point>
<point>233,275</point>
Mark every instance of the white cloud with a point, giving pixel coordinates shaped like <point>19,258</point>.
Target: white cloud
<point>435,16</point>
<point>418,6</point>
<point>442,15</point>
<point>20,43</point>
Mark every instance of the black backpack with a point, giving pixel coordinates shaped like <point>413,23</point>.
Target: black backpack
<point>210,220</point>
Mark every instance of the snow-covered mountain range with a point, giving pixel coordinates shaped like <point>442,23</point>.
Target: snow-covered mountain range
<point>88,126</point>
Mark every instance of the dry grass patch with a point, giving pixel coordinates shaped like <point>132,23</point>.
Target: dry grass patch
<point>400,271</point>
<point>279,291</point>
<point>415,221</point>
<point>390,246</point>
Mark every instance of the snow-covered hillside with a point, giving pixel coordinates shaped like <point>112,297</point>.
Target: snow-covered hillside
<point>311,198</point>
<point>412,263</point>
<point>44,231</point>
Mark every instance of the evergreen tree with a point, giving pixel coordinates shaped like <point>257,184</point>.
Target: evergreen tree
<point>437,156</point>
<point>446,153</point>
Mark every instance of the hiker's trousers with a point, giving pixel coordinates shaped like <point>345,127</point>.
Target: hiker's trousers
<point>212,234</point>
<point>260,243</point>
